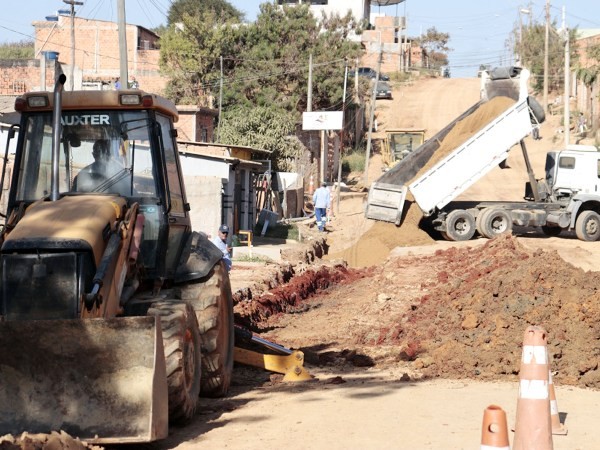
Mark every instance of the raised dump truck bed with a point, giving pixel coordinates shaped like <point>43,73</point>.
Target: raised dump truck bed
<point>456,169</point>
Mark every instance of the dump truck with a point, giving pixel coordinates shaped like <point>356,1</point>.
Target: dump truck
<point>399,143</point>
<point>114,314</point>
<point>435,174</point>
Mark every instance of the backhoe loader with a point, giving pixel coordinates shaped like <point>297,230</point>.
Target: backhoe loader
<point>111,307</point>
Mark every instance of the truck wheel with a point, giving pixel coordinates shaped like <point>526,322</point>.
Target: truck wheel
<point>181,342</point>
<point>479,221</point>
<point>212,301</point>
<point>494,222</point>
<point>460,226</point>
<point>587,226</point>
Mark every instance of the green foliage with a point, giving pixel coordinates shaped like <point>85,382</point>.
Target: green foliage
<point>254,258</point>
<point>220,8</point>
<point>190,54</point>
<point>354,161</point>
<point>265,70</point>
<point>531,46</point>
<point>17,50</point>
<point>435,44</point>
<point>264,127</point>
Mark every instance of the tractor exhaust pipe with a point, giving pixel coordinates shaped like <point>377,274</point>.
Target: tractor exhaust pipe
<point>56,132</point>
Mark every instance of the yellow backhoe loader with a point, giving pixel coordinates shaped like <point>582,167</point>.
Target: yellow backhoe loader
<point>399,143</point>
<point>110,305</point>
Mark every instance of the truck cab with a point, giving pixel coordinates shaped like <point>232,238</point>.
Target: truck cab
<point>574,170</point>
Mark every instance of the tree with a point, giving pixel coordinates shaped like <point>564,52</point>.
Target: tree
<point>531,45</point>
<point>435,44</point>
<point>190,56</point>
<point>263,127</point>
<point>17,50</point>
<point>265,70</point>
<point>222,9</point>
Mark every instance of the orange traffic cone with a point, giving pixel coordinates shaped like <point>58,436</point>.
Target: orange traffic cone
<point>533,429</point>
<point>494,432</point>
<point>311,186</point>
<point>557,427</point>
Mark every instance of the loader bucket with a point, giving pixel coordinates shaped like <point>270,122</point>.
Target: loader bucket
<point>100,380</point>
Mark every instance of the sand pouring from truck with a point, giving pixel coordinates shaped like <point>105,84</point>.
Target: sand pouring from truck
<point>111,306</point>
<point>435,174</point>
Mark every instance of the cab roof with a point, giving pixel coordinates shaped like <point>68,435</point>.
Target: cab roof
<point>91,100</point>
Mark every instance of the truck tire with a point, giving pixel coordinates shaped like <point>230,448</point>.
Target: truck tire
<point>181,342</point>
<point>494,222</point>
<point>212,301</point>
<point>587,226</point>
<point>460,226</point>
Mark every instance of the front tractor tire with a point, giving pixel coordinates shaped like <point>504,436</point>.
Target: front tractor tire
<point>213,304</point>
<point>181,341</point>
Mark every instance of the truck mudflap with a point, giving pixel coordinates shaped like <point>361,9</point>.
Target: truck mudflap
<point>100,380</point>
<point>385,202</point>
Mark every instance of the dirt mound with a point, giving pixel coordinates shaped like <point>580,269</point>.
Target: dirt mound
<point>470,321</point>
<point>54,441</point>
<point>460,313</point>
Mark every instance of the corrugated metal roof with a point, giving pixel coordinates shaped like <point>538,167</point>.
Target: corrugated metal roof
<point>386,2</point>
<point>214,144</point>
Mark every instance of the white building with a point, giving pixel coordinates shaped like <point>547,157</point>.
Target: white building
<point>360,9</point>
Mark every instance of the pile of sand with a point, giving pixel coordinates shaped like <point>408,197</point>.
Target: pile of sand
<point>376,244</point>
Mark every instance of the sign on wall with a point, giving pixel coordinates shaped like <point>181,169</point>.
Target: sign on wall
<point>322,120</point>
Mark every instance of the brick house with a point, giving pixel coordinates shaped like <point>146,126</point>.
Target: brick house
<point>97,50</point>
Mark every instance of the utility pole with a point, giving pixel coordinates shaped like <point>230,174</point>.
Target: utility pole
<point>373,98</point>
<point>567,114</point>
<point>309,94</point>
<point>220,100</point>
<point>339,185</point>
<point>547,38</point>
<point>72,3</point>
<point>124,72</point>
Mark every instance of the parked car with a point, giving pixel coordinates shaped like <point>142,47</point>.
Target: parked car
<point>370,73</point>
<point>383,90</point>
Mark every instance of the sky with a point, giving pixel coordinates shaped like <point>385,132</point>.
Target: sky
<point>478,29</point>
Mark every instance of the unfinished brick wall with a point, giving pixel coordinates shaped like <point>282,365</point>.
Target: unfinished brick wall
<point>19,76</point>
<point>97,50</point>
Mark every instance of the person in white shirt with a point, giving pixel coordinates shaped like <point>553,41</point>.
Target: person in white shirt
<point>322,201</point>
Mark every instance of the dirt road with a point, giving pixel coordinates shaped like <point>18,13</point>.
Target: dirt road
<point>407,353</point>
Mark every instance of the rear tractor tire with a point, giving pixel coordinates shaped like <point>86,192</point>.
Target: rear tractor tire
<point>587,226</point>
<point>460,226</point>
<point>181,341</point>
<point>213,304</point>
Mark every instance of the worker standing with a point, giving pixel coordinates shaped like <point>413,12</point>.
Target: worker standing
<point>322,201</point>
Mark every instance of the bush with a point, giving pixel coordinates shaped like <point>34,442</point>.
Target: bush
<point>354,161</point>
